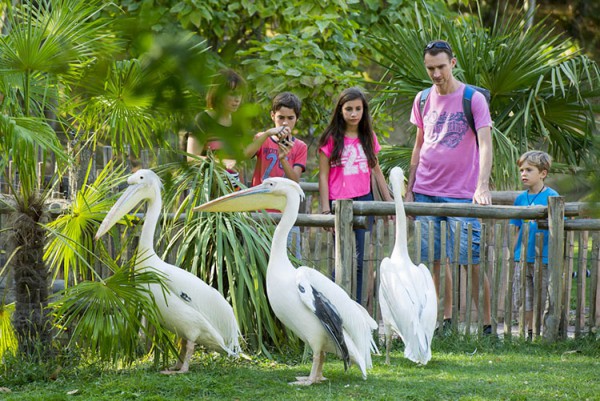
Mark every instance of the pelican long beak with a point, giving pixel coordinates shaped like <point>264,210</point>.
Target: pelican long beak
<point>130,199</point>
<point>255,198</point>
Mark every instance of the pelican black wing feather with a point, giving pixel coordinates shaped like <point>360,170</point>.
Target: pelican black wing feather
<point>332,322</point>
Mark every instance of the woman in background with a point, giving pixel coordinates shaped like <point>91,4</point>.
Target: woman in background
<point>217,122</point>
<point>347,157</point>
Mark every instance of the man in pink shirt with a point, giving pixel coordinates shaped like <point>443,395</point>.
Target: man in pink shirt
<point>451,164</point>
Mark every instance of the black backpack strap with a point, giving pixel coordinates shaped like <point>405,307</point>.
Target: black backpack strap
<point>467,96</point>
<point>424,96</point>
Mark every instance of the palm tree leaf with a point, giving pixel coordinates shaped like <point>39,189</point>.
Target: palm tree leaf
<point>105,316</point>
<point>69,250</point>
<point>543,92</point>
<point>120,113</point>
<point>8,339</point>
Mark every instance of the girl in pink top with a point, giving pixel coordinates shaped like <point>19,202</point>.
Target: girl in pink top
<point>347,156</point>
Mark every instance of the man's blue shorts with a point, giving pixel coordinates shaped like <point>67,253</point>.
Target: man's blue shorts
<point>450,230</point>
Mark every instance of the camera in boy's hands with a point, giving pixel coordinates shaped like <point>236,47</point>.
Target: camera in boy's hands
<point>282,135</point>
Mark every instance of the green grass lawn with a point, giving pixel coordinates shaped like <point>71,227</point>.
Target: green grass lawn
<point>459,370</point>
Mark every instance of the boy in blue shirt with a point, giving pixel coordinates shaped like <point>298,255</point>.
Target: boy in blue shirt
<point>533,167</point>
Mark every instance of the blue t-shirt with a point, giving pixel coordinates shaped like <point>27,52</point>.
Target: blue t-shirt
<point>527,199</point>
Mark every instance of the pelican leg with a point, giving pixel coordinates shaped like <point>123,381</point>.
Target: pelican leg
<point>319,376</point>
<point>185,354</point>
<point>316,372</point>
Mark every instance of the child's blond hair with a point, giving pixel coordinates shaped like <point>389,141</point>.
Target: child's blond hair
<point>536,158</point>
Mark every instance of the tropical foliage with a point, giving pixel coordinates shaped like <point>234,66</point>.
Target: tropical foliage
<point>8,340</point>
<point>132,75</point>
<point>71,245</point>
<point>543,91</point>
<point>106,317</point>
<point>36,60</point>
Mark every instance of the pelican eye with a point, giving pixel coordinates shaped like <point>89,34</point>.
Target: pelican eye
<point>302,290</point>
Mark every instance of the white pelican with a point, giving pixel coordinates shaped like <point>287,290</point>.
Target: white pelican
<point>407,295</point>
<point>310,304</point>
<point>193,310</point>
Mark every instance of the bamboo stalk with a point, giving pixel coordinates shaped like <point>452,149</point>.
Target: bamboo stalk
<point>483,269</point>
<point>496,278</point>
<point>509,288</point>
<point>455,277</point>
<point>522,282</point>
<point>442,274</point>
<point>581,281</point>
<point>594,319</point>
<point>469,272</point>
<point>556,217</point>
<point>539,301</point>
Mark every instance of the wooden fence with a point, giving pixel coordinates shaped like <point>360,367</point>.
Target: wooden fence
<point>573,248</point>
<point>573,259</point>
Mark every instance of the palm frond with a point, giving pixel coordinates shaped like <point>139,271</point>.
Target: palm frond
<point>392,156</point>
<point>22,139</point>
<point>70,246</point>
<point>120,113</point>
<point>105,316</point>
<point>46,49</point>
<point>543,92</point>
<point>8,339</point>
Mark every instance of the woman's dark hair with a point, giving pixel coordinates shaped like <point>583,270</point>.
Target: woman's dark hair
<point>337,128</point>
<point>224,83</point>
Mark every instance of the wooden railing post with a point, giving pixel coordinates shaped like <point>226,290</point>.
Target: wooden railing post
<point>343,244</point>
<point>556,224</point>
<point>594,320</point>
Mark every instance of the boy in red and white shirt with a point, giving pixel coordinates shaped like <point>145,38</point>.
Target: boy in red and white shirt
<point>278,153</point>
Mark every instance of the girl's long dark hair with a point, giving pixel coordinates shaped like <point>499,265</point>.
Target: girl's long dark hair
<point>337,128</point>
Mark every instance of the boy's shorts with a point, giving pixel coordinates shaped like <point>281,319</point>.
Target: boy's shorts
<point>450,230</point>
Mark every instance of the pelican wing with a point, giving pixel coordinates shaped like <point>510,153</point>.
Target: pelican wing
<point>429,311</point>
<point>326,312</point>
<point>206,301</point>
<point>410,304</point>
<point>399,300</point>
<point>357,325</point>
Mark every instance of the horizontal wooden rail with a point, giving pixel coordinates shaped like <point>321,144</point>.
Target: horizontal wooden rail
<point>498,197</point>
<point>379,208</point>
<point>575,225</point>
<point>312,220</point>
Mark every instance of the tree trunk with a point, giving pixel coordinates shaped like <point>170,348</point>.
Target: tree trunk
<point>30,320</point>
